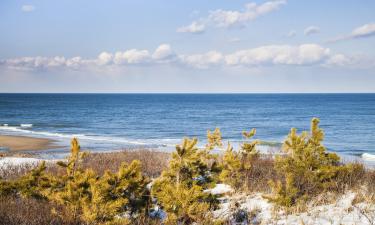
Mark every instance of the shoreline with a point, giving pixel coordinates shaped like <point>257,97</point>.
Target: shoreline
<point>28,146</point>
<point>18,143</point>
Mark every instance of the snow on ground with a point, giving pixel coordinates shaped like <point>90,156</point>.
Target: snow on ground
<point>17,161</point>
<point>343,212</point>
<point>220,189</point>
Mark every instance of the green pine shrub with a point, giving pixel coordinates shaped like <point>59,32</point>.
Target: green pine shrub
<point>29,185</point>
<point>95,198</point>
<point>306,169</point>
<point>180,188</point>
<point>237,165</point>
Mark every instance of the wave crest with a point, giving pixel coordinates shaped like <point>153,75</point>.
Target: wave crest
<point>368,157</point>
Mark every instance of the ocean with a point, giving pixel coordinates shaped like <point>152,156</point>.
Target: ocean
<point>105,122</point>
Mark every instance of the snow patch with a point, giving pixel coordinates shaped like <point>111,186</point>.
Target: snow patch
<point>343,212</point>
<point>220,189</point>
<point>6,162</point>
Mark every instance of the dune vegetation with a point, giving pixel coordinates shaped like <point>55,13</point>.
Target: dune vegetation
<point>148,187</point>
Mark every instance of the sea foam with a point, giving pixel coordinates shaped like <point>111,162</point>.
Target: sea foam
<point>26,125</point>
<point>368,157</point>
<point>16,129</point>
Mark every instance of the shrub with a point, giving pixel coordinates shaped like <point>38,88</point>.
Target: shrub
<point>306,169</point>
<point>29,185</point>
<point>180,188</point>
<point>237,165</point>
<point>93,198</point>
<point>97,198</point>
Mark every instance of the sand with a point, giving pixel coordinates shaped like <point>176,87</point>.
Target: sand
<point>21,143</point>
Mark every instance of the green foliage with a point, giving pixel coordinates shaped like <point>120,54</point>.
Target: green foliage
<point>237,165</point>
<point>29,185</point>
<point>32,184</point>
<point>305,169</point>
<point>214,139</point>
<point>96,198</point>
<point>88,196</point>
<point>180,188</point>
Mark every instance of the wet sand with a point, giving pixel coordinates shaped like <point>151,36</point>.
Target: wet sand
<point>22,143</point>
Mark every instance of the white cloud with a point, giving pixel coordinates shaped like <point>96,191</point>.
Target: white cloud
<point>353,62</point>
<point>163,52</point>
<point>311,30</point>
<point>307,54</point>
<point>229,18</point>
<point>195,27</point>
<point>363,31</point>
<point>28,8</point>
<point>104,58</point>
<point>263,56</point>
<point>205,60</point>
<point>41,63</point>
<point>132,56</point>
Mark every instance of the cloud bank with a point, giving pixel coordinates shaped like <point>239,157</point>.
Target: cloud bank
<point>269,55</point>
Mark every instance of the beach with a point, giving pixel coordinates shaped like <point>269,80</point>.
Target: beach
<point>22,143</point>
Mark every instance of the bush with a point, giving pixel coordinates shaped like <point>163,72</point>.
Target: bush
<point>86,195</point>
<point>306,169</point>
<point>180,188</point>
<point>237,165</point>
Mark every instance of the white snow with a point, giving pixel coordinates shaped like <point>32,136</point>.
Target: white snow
<point>343,212</point>
<point>220,189</point>
<point>16,161</point>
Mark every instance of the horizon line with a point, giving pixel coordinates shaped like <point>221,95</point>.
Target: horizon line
<point>208,93</point>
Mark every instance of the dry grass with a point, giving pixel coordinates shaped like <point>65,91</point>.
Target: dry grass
<point>20,211</point>
<point>261,173</point>
<point>153,162</point>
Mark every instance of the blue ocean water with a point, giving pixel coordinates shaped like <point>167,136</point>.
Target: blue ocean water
<point>116,121</point>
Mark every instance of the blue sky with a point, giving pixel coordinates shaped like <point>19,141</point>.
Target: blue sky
<point>187,46</point>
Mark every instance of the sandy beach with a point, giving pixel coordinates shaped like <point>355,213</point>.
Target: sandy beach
<point>22,143</point>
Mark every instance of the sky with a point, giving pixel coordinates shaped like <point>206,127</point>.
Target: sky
<point>163,46</point>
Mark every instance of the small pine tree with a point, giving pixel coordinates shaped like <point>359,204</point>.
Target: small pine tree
<point>95,198</point>
<point>237,165</point>
<point>33,183</point>
<point>179,190</point>
<point>29,185</point>
<point>74,158</point>
<point>113,194</point>
<point>214,139</point>
<point>305,169</point>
